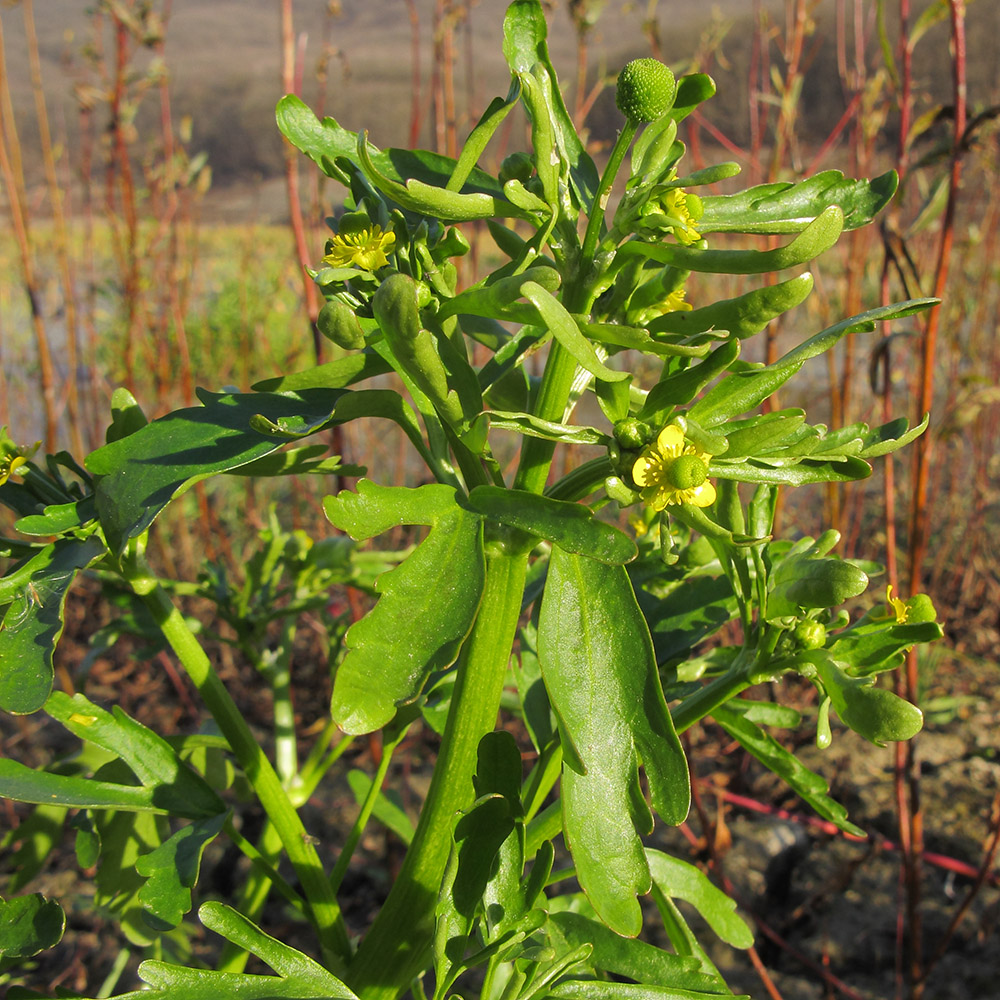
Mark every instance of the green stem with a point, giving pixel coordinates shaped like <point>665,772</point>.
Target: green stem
<point>397,947</point>
<point>354,837</point>
<point>252,759</point>
<point>751,666</point>
<point>286,754</point>
<point>560,366</point>
<point>621,146</point>
<point>253,896</point>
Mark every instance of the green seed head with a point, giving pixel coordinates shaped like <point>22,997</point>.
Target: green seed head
<point>686,472</point>
<point>645,91</point>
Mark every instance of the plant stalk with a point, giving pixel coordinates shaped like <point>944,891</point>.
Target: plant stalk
<point>297,843</point>
<point>396,948</point>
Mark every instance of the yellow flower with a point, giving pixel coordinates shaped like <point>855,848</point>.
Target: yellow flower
<point>675,204</point>
<point>12,456</point>
<point>674,302</point>
<point>673,472</point>
<point>365,248</point>
<point>897,606</point>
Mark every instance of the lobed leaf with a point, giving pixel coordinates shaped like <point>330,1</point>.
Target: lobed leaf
<point>142,473</point>
<point>172,871</point>
<point>151,758</point>
<point>678,879</point>
<point>426,607</point>
<point>32,624</point>
<point>622,956</point>
<point>29,924</point>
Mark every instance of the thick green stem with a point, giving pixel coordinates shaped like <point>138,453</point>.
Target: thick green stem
<point>397,947</point>
<point>560,367</point>
<point>297,843</point>
<point>715,693</point>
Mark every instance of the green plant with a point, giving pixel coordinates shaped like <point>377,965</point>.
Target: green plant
<point>518,595</point>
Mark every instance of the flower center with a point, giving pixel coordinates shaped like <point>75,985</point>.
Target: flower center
<point>686,472</point>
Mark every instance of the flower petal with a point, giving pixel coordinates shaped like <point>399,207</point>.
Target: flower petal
<point>671,441</point>
<point>701,496</point>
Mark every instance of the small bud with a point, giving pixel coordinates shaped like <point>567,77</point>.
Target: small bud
<point>338,323</point>
<point>810,634</point>
<point>632,433</point>
<point>646,90</point>
<point>517,166</point>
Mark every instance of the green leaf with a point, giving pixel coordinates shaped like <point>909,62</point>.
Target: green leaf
<point>692,90</point>
<point>555,318</point>
<point>152,759</point>
<point>532,426</point>
<point>172,871</point>
<point>623,956</point>
<point>499,299</point>
<point>678,879</point>
<point>22,784</point>
<point>873,712</point>
<point>298,976</point>
<point>862,323</point>
<point>593,989</point>
<point>126,416</point>
<point>738,393</point>
<point>388,808</point>
<point>571,526</point>
<point>597,660</point>
<point>478,836</point>
<point>788,207</point>
<point>872,646</point>
<point>142,473</point>
<point>36,592</point>
<point>742,316</point>
<point>29,924</point>
<point>891,436</point>
<point>479,138</point>
<point>838,471</point>
<point>337,374</point>
<point>432,200</point>
<point>679,388</point>
<point>816,238</point>
<point>325,141</point>
<point>58,519</point>
<point>427,604</point>
<point>806,581</point>
<point>807,784</point>
<point>527,55</point>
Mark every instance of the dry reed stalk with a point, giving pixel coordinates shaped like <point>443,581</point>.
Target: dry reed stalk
<point>12,171</point>
<point>61,236</point>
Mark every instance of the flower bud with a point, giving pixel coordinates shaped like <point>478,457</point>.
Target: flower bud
<point>632,433</point>
<point>517,166</point>
<point>646,90</point>
<point>810,634</point>
<point>338,323</point>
